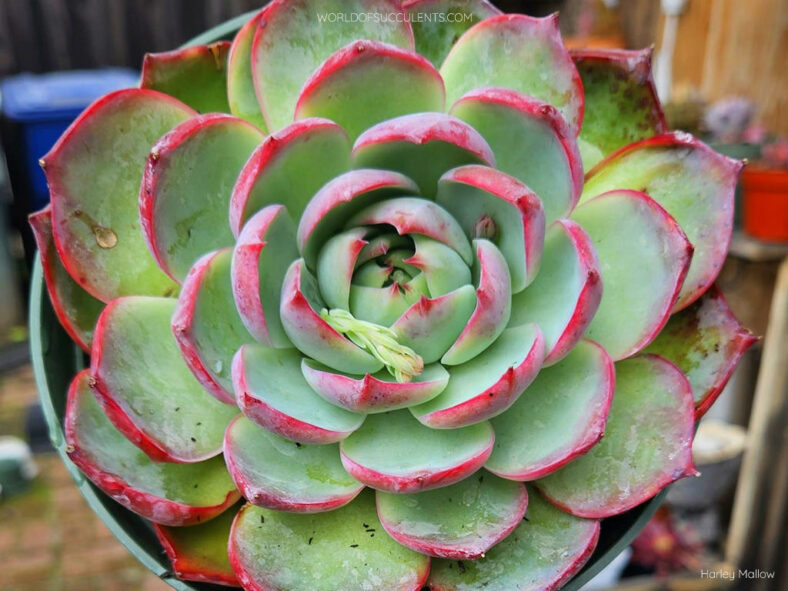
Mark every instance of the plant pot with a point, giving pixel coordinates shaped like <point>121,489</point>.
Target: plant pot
<point>56,359</point>
<point>765,200</point>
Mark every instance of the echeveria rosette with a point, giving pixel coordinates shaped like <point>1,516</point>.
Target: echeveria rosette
<point>378,297</point>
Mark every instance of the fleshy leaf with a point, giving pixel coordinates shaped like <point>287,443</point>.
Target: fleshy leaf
<point>560,416</point>
<point>199,553</point>
<point>493,305</point>
<point>531,142</point>
<point>384,305</point>
<point>692,182</point>
<point>343,549</point>
<point>207,326</point>
<point>261,257</point>
<point>544,552</point>
<point>443,268</point>
<point>368,82</point>
<point>566,294</point>
<point>422,146</point>
<point>336,264</point>
<point>519,52</point>
<point>647,444</point>
<point>308,330</point>
<point>643,264</point>
<point>196,75</point>
<point>76,310</point>
<point>95,192</point>
<point>493,205</point>
<point>271,390</point>
<point>394,452</point>
<point>373,393</point>
<point>274,172</point>
<point>432,325</point>
<point>411,215</point>
<point>240,83</point>
<point>437,24</point>
<point>621,104</point>
<point>340,198</point>
<point>185,192</point>
<point>146,388</point>
<point>705,341</point>
<point>461,521</point>
<point>284,475</point>
<point>166,493</point>
<point>295,36</point>
<point>489,383</point>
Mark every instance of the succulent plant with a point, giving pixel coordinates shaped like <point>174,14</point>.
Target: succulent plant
<point>381,300</point>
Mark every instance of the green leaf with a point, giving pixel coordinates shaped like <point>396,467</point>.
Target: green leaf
<point>647,444</point>
<point>163,492</point>
<point>519,52</point>
<point>643,264</point>
<point>94,173</point>
<point>560,416</point>
<point>461,521</point>
<point>544,552</point>
<point>241,94</point>
<point>196,75</point>
<point>293,38</point>
<point>342,549</point>
<point>368,82</point>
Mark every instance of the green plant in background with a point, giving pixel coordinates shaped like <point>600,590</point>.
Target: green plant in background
<point>370,292</point>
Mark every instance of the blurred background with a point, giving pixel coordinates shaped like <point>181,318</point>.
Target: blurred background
<point>722,73</point>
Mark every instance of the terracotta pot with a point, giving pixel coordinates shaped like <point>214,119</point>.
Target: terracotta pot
<point>765,201</point>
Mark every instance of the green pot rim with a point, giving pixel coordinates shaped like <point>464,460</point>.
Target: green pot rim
<point>56,359</point>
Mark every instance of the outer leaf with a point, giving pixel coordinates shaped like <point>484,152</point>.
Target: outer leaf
<point>206,324</point>
<point>295,36</point>
<point>282,475</point>
<point>437,24</point>
<point>310,333</point>
<point>531,141</point>
<point>643,264</point>
<point>566,293</point>
<point>342,549</point>
<point>264,251</point>
<point>275,172</point>
<point>478,195</point>
<point>542,554</point>
<point>421,146</point>
<point>367,82</point>
<point>240,83</point>
<point>185,192</point>
<point>519,52</point>
<point>94,192</point>
<point>146,388</point>
<point>339,199</point>
<point>395,453</point>
<point>693,183</point>
<point>621,104</point>
<point>76,310</point>
<point>489,383</point>
<point>199,553</point>
<point>558,418</point>
<point>493,305</point>
<point>706,342</point>
<point>271,390</point>
<point>647,444</point>
<point>171,494</point>
<point>195,75</point>
<point>461,521</point>
<point>374,393</point>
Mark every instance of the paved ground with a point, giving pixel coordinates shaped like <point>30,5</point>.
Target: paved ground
<point>49,539</point>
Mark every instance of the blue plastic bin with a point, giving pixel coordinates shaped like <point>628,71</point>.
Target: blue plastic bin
<point>43,105</point>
